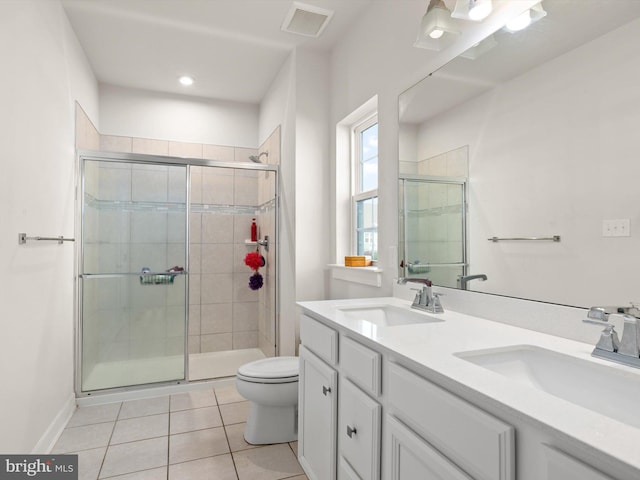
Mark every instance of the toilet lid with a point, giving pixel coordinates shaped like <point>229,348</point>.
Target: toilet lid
<point>271,368</point>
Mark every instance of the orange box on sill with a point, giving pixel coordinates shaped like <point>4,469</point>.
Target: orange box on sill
<point>357,261</point>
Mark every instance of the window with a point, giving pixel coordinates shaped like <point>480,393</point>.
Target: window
<point>365,188</point>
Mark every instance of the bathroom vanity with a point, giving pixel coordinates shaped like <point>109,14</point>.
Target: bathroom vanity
<point>393,393</point>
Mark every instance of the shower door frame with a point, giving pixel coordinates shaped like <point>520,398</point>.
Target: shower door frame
<point>403,180</point>
<point>119,157</point>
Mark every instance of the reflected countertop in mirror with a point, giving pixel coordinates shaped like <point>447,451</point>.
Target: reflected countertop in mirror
<point>548,118</point>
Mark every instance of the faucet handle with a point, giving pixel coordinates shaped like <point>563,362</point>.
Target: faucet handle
<point>436,299</point>
<point>418,296</point>
<point>609,340</point>
<point>598,314</point>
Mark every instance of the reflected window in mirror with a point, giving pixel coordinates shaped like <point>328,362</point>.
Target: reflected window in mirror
<point>365,187</point>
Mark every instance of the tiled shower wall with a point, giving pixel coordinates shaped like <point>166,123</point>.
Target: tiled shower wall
<point>224,313</point>
<point>223,310</point>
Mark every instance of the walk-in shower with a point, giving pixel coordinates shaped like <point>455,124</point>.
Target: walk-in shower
<point>163,289</point>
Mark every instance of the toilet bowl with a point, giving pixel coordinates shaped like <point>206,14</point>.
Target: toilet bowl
<point>271,386</point>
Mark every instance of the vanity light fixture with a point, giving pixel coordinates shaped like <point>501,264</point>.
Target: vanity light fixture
<point>475,10</point>
<point>526,18</point>
<point>435,26</point>
<point>186,80</point>
<point>479,9</point>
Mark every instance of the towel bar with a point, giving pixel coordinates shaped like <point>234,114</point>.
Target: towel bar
<point>555,238</point>
<point>22,239</point>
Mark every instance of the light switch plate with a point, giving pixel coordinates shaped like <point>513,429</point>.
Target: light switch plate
<point>620,227</point>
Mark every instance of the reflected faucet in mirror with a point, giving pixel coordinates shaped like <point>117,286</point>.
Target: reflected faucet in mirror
<point>464,279</point>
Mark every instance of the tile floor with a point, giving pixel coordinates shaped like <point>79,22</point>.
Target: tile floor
<point>189,436</point>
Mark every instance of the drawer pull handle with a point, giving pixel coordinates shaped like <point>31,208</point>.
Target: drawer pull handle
<point>326,390</point>
<point>351,431</point>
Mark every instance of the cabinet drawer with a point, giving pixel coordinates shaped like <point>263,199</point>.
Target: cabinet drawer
<point>359,420</point>
<point>320,339</point>
<point>480,444</point>
<point>361,365</point>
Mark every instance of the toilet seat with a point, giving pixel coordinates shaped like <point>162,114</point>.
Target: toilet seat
<point>271,370</point>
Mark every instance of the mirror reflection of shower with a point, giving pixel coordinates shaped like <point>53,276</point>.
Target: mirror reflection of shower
<point>256,158</point>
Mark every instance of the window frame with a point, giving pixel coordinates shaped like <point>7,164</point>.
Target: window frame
<point>357,195</point>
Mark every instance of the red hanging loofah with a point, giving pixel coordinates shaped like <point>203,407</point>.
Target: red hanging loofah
<point>253,260</point>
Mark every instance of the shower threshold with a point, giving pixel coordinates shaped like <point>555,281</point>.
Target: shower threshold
<point>206,366</point>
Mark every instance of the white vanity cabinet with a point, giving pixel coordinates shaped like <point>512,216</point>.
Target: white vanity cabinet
<point>400,404</point>
<point>428,432</point>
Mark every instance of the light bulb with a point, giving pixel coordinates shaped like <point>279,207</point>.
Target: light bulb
<point>436,33</point>
<point>520,22</point>
<point>186,80</point>
<point>479,9</point>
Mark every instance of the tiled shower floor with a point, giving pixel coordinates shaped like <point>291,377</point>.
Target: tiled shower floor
<point>189,436</point>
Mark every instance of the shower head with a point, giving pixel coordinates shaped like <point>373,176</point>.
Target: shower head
<point>256,158</point>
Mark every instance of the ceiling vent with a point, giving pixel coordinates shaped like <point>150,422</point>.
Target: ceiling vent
<point>306,20</point>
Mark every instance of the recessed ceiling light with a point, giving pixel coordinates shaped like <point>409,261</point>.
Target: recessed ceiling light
<point>186,80</point>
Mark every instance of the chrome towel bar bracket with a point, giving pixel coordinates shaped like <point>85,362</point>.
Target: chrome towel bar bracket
<point>22,239</point>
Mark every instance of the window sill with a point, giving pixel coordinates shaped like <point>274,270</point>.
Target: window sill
<point>364,275</point>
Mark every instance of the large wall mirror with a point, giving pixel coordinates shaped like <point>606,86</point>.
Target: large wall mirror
<point>532,137</point>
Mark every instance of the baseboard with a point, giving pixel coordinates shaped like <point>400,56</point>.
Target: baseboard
<point>53,432</point>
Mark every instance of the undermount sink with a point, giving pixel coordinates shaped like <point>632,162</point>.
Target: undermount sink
<point>599,388</point>
<point>386,315</point>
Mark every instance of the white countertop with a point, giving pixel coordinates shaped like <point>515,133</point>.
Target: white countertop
<point>434,345</point>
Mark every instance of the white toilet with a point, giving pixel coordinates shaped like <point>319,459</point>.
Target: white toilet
<point>271,386</point>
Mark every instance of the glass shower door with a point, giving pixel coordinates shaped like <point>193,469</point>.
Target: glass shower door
<point>133,282</point>
<point>433,221</point>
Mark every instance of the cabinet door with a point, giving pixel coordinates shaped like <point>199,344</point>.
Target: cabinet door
<point>317,410</point>
<point>561,466</point>
<point>359,431</point>
<point>409,457</point>
<point>482,445</point>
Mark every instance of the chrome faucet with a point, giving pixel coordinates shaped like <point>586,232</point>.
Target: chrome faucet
<point>425,299</point>
<point>625,350</point>
<point>464,279</point>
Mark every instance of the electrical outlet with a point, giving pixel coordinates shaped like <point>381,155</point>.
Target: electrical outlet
<point>616,228</point>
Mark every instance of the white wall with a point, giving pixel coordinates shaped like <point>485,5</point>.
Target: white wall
<point>376,57</point>
<point>558,145</point>
<point>145,114</point>
<point>312,174</point>
<point>45,73</point>
<point>279,108</point>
